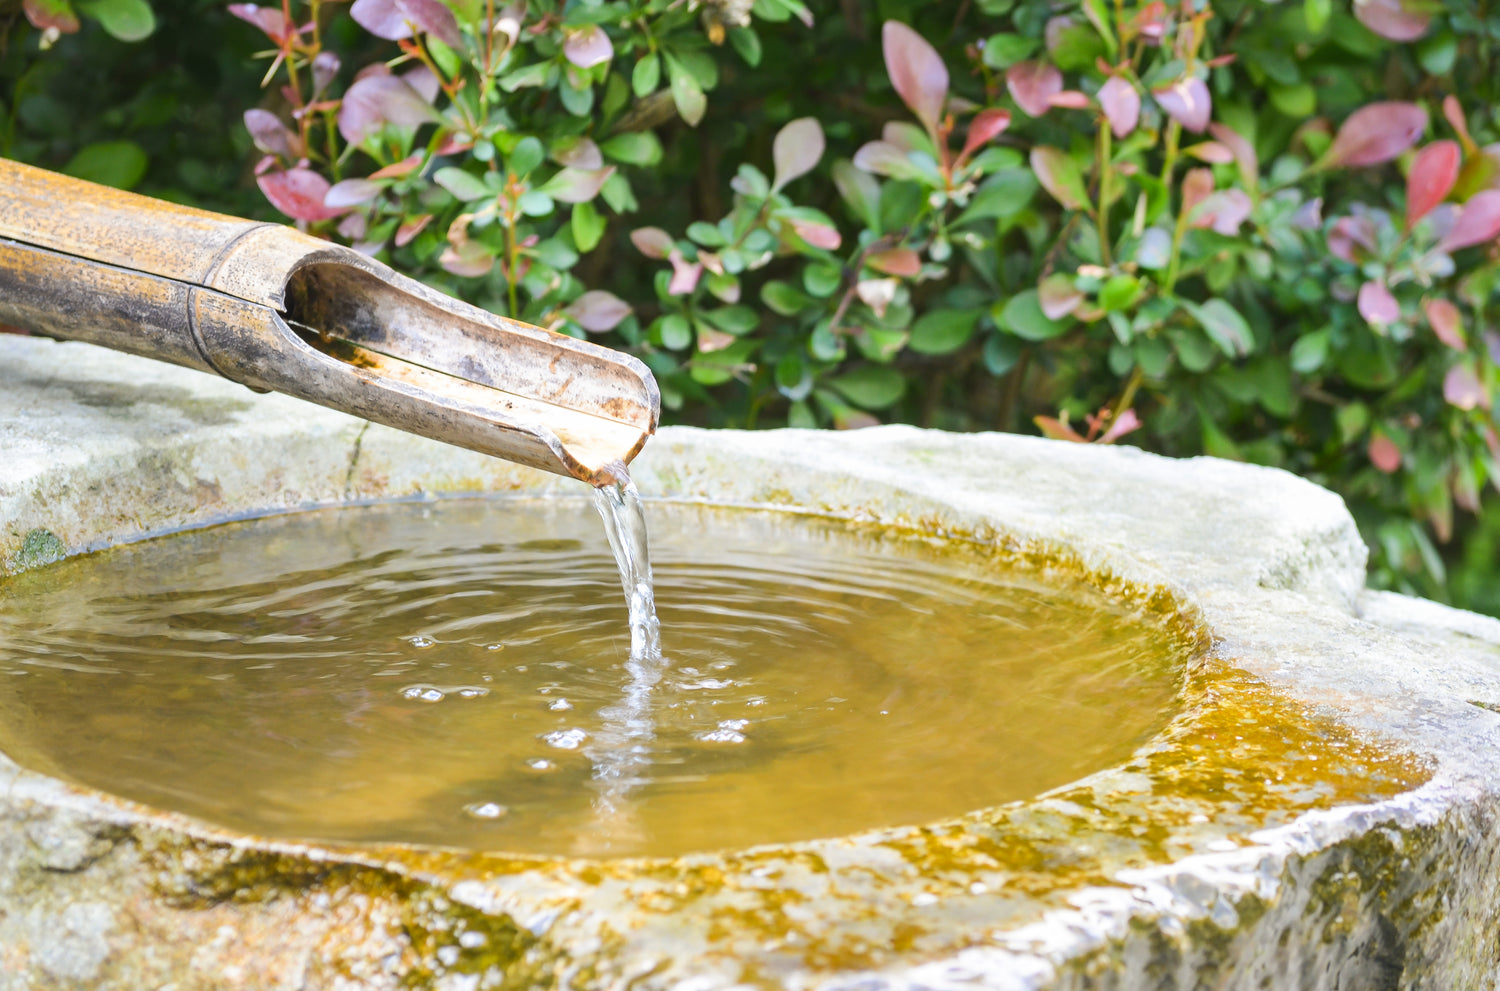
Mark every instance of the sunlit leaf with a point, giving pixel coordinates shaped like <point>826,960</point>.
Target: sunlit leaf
<point>298,193</point>
<point>1376,133</point>
<point>588,46</point>
<point>1121,103</point>
<point>126,20</point>
<point>1186,101</point>
<point>382,18</point>
<point>598,311</point>
<point>1392,19</point>
<point>376,100</point>
<point>795,150</point>
<point>917,72</point>
<point>1059,175</point>
<point>1447,323</point>
<point>877,294</point>
<point>268,19</point>
<point>1434,170</point>
<point>1478,221</point>
<point>1376,304</point>
<point>351,192</point>
<point>1033,84</point>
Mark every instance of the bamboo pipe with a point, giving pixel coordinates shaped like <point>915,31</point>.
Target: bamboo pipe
<point>277,310</point>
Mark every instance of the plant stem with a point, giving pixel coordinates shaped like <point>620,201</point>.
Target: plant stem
<point>1106,191</point>
<point>1128,396</point>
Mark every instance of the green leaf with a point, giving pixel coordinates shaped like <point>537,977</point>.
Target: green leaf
<point>943,331</point>
<point>747,43</point>
<point>1059,174</point>
<point>794,379</point>
<point>462,184</point>
<point>676,333</point>
<point>784,298</point>
<point>588,226</point>
<point>617,193</point>
<point>706,234</point>
<point>127,20</point>
<point>535,203</point>
<point>633,148</point>
<point>1022,315</point>
<point>1316,13</point>
<point>1119,293</point>
<point>1311,351</point>
<point>120,164</point>
<point>535,74</point>
<point>871,386</point>
<point>1001,51</point>
<point>1299,101</point>
<point>1224,325</point>
<point>576,100</point>
<point>1098,14</point>
<point>1001,352</point>
<point>646,75</point>
<point>1004,194</point>
<point>525,156</point>
<point>687,94</point>
<point>736,320</point>
<point>821,279</point>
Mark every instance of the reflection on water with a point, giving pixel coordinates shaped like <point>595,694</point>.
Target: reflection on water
<point>458,674</point>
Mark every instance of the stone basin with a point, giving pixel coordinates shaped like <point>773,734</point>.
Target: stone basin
<point>1321,813</point>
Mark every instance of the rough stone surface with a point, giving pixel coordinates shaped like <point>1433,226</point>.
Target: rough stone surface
<point>1320,814</point>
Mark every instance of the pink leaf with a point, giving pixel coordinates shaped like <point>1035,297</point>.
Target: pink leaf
<point>818,235</point>
<point>1186,101</point>
<point>1446,322</point>
<point>376,100</point>
<point>432,17</point>
<point>396,170</point>
<point>298,193</point>
<point>1121,103</point>
<point>470,259</point>
<point>1433,173</point>
<point>353,227</point>
<point>1058,296</point>
<point>917,72</point>
<point>896,261</point>
<point>795,150</point>
<point>1478,221</point>
<point>1352,239</point>
<point>269,135</point>
<point>1376,133</point>
<point>1377,305</point>
<point>1032,85</point>
<point>1120,426</point>
<point>268,19</point>
<point>576,185</point>
<point>1243,151</point>
<point>653,242</point>
<point>1455,114</point>
<point>382,18</point>
<point>1462,388</point>
<point>351,192</point>
<point>1390,19</point>
<point>325,67</point>
<point>598,311</point>
<point>1384,454</point>
<point>1070,99</point>
<point>51,15</point>
<point>1224,211</point>
<point>685,274</point>
<point>1056,429</point>
<point>587,47</point>
<point>985,127</point>
<point>426,84</point>
<point>1196,187</point>
<point>580,153</point>
<point>411,228</point>
<point>1211,152</point>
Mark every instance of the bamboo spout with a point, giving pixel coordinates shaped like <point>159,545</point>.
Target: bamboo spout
<point>275,309</point>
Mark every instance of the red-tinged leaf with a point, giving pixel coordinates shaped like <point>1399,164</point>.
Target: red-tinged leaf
<point>917,72</point>
<point>454,144</point>
<point>1151,21</point>
<point>1056,429</point>
<point>884,158</point>
<point>877,294</point>
<point>1377,305</point>
<point>1454,111</point>
<point>270,136</point>
<point>907,137</point>
<point>1376,133</point>
<point>1308,216</point>
<point>1478,221</point>
<point>268,19</point>
<point>1224,211</point>
<point>1384,454</point>
<point>352,227</point>
<point>1433,173</point>
<point>598,311</point>
<point>469,260</point>
<point>1070,99</point>
<point>1243,151</point>
<point>796,149</point>
<point>411,228</point>
<point>1186,101</point>
<point>382,18</point>
<point>576,185</point>
<point>653,242</point>
<point>1197,186</point>
<point>818,235</point>
<point>325,66</point>
<point>711,340</point>
<point>1121,103</point>
<point>1120,426</point>
<point>1352,239</point>
<point>54,15</point>
<point>1059,175</point>
<point>896,261</point>
<point>396,170</point>
<point>1462,388</point>
<point>1447,323</point>
<point>986,126</point>
<point>580,153</point>
<point>351,192</point>
<point>377,100</point>
<point>298,193</point>
<point>587,47</point>
<point>1211,152</point>
<point>1032,85</point>
<point>1058,296</point>
<point>685,274</point>
<point>433,17</point>
<point>424,81</point>
<point>1391,19</point>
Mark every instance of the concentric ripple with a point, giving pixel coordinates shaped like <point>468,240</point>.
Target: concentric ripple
<point>454,674</point>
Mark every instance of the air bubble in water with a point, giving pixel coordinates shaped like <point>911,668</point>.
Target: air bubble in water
<point>728,732</point>
<point>565,739</point>
<point>560,705</point>
<point>420,641</point>
<point>540,764</point>
<point>422,693</point>
<point>486,810</point>
<point>473,691</point>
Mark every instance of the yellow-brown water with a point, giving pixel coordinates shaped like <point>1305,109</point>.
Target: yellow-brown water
<point>380,674</point>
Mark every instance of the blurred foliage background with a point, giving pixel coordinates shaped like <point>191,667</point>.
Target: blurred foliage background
<point>1262,231</point>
